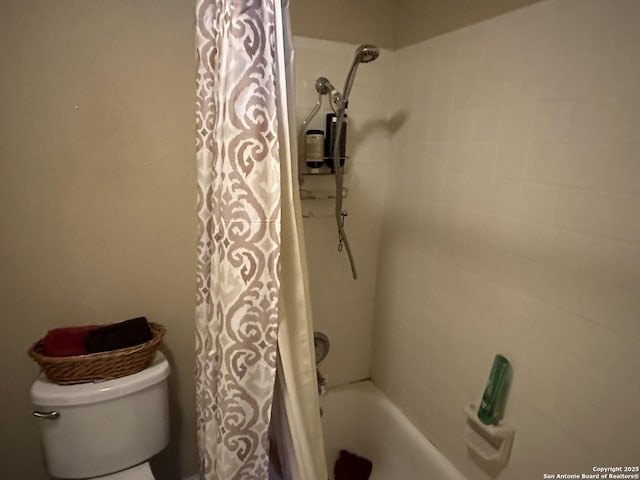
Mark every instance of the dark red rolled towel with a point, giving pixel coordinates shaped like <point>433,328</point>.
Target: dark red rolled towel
<point>118,335</point>
<point>352,467</point>
<point>66,342</point>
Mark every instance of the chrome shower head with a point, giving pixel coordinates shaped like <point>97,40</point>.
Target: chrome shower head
<point>364,54</point>
<point>367,53</point>
<point>324,86</point>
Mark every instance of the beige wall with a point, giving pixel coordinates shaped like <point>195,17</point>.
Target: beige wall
<point>417,20</point>
<point>354,21</point>
<point>97,196</point>
<point>512,227</point>
<point>391,23</point>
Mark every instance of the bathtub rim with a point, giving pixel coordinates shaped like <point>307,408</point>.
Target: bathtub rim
<point>369,388</point>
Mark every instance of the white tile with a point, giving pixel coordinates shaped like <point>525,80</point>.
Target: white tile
<point>515,123</point>
<point>628,121</point>
<point>509,160</point>
<point>458,158</point>
<point>522,79</point>
<point>478,195</point>
<point>563,77</point>
<point>624,169</point>
<point>552,163</point>
<point>595,167</point>
<point>538,203</point>
<point>595,120</point>
<point>368,99</point>
<point>609,69</point>
<point>482,159</point>
<point>460,125</point>
<point>437,126</point>
<point>435,157</point>
<point>442,89</point>
<point>552,122</point>
<point>598,213</point>
<point>507,198</point>
<point>467,70</point>
<point>486,124</point>
<point>452,189</point>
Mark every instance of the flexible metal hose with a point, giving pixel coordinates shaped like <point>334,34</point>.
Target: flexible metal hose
<point>342,234</point>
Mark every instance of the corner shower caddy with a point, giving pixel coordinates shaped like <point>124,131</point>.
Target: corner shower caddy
<point>322,86</point>
<point>490,442</point>
<point>320,194</point>
<point>313,191</point>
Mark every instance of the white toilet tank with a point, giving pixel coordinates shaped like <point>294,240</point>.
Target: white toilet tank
<point>103,427</point>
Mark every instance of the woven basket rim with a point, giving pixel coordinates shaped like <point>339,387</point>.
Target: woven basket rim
<point>157,330</point>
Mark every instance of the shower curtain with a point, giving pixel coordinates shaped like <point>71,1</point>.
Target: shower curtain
<point>252,310</point>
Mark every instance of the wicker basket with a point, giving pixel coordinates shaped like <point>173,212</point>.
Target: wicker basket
<point>98,366</point>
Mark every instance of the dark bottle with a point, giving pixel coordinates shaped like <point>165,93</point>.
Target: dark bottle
<point>329,140</point>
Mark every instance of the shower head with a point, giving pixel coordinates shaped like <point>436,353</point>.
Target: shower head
<point>367,53</point>
<point>364,54</point>
<point>324,86</point>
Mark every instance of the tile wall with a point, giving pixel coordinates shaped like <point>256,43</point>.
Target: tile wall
<point>512,225</point>
<point>343,307</point>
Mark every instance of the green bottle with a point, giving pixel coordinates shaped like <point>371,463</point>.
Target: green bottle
<point>492,399</point>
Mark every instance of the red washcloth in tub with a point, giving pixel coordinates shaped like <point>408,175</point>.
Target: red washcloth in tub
<point>352,467</point>
<point>66,342</point>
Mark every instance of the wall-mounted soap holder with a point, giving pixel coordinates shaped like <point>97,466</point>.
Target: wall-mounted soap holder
<point>491,442</point>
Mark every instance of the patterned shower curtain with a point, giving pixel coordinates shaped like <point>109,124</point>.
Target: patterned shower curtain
<point>244,166</point>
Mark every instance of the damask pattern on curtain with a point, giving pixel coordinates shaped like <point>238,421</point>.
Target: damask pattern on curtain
<point>238,235</point>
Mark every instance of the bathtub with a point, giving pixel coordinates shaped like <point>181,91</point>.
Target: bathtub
<point>360,419</point>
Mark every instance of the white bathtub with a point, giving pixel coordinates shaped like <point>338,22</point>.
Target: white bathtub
<point>360,419</point>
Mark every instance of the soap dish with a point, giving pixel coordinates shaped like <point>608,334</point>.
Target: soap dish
<point>490,442</point>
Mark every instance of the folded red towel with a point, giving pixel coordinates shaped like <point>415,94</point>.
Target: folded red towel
<point>66,342</point>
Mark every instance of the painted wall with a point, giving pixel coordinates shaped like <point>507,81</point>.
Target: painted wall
<point>391,23</point>
<point>355,21</point>
<point>97,198</point>
<point>512,227</point>
<point>343,307</point>
<point>417,20</point>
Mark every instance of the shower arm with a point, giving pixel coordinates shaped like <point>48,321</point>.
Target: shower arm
<point>312,114</point>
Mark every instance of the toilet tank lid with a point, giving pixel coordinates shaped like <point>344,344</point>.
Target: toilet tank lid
<point>46,393</point>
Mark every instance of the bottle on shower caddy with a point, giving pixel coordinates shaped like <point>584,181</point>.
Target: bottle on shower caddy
<point>314,148</point>
<point>329,140</point>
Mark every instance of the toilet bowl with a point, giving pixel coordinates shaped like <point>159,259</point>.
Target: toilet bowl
<point>139,472</point>
<point>105,430</point>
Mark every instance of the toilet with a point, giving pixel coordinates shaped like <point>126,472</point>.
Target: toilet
<point>104,430</point>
